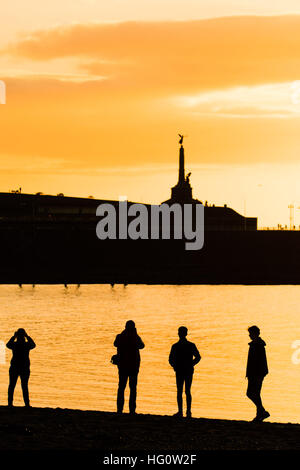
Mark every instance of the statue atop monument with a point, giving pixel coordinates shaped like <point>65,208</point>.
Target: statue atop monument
<point>181,138</point>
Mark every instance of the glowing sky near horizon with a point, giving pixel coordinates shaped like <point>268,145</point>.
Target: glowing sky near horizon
<point>97,92</point>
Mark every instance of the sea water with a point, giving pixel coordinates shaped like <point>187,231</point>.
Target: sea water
<point>74,329</point>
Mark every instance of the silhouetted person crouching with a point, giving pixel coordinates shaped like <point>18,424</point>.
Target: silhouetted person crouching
<point>257,369</point>
<point>20,344</point>
<point>183,357</point>
<point>128,344</point>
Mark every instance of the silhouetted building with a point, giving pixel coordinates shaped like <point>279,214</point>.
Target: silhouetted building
<point>47,239</point>
<point>182,192</point>
<point>216,218</point>
<point>19,207</point>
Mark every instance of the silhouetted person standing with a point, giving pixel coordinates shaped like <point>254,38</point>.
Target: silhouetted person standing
<point>257,369</point>
<point>128,344</point>
<point>183,357</point>
<point>20,344</point>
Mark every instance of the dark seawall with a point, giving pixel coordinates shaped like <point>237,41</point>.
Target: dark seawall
<point>71,253</point>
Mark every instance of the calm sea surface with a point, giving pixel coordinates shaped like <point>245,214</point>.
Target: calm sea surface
<point>75,328</point>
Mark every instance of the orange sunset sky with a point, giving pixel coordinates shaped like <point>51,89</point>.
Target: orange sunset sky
<point>98,91</point>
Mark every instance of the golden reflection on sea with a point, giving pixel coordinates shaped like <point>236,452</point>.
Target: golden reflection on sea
<point>74,330</point>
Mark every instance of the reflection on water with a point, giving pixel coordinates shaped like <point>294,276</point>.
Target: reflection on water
<point>74,330</point>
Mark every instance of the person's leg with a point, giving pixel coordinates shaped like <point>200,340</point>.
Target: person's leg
<point>123,377</point>
<point>188,384</point>
<point>253,393</point>
<point>179,383</point>
<point>13,377</point>
<point>132,396</point>
<point>24,374</point>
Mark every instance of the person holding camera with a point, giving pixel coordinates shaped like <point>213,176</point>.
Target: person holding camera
<point>128,344</point>
<point>20,344</point>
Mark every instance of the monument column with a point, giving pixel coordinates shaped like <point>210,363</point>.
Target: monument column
<point>181,177</point>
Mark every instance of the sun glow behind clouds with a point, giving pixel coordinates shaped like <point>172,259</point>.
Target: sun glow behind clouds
<point>230,84</point>
<point>271,100</point>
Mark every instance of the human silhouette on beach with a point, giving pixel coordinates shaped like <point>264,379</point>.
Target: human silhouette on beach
<point>257,369</point>
<point>20,344</point>
<point>183,357</point>
<point>128,344</point>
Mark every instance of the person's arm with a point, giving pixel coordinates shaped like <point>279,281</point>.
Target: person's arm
<point>10,344</point>
<point>172,357</point>
<point>116,342</point>
<point>197,356</point>
<point>140,343</point>
<point>31,343</point>
<point>262,365</point>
